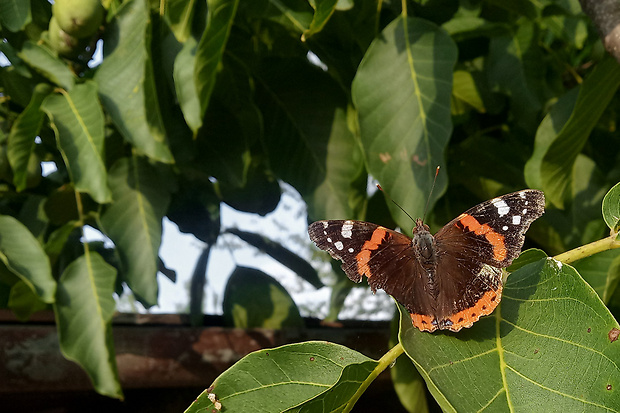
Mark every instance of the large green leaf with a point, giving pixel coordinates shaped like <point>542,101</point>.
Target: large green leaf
<point>22,254</point>
<point>126,84</point>
<point>594,95</point>
<point>14,14</point>
<point>402,92</point>
<point>254,299</point>
<point>84,308</point>
<point>77,120</point>
<point>305,117</point>
<point>21,142</point>
<point>323,375</point>
<point>24,302</point>
<point>48,64</point>
<point>545,345</point>
<point>140,199</point>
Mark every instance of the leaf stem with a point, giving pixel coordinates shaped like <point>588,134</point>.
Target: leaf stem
<point>588,249</point>
<point>384,362</point>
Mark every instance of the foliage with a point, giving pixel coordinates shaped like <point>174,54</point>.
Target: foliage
<point>196,104</point>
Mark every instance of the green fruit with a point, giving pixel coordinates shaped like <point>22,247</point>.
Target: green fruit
<point>63,43</point>
<point>79,18</point>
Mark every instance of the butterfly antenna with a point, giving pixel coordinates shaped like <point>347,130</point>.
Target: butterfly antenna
<point>401,208</point>
<point>428,201</point>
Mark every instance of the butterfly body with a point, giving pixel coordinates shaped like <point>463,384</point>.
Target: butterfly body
<point>446,281</point>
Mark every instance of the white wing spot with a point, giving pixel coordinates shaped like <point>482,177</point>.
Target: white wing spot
<point>522,195</point>
<point>325,224</point>
<point>338,245</point>
<point>502,206</point>
<point>516,220</point>
<point>347,229</point>
<point>527,202</point>
<point>329,239</point>
<point>505,227</point>
<point>351,250</point>
<point>324,232</point>
<point>524,211</point>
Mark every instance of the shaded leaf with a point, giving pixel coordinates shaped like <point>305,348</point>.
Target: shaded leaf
<point>48,64</point>
<point>24,302</point>
<point>402,92</point>
<point>133,221</point>
<point>611,208</point>
<point>549,327</point>
<point>594,95</point>
<point>254,299</point>
<point>126,84</point>
<point>179,14</point>
<point>14,14</point>
<point>23,256</point>
<point>208,56</point>
<point>84,307</point>
<point>323,10</point>
<point>281,254</point>
<point>305,117</point>
<point>197,287</point>
<point>21,144</point>
<point>279,379</point>
<point>77,120</point>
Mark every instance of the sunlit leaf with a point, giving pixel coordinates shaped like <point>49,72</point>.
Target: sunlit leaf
<point>611,207</point>
<point>323,375</point>
<point>126,83</point>
<point>48,64</point>
<point>402,92</point>
<point>537,349</point>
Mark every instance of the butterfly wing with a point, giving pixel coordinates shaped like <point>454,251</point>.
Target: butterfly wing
<point>473,248</point>
<point>384,256</point>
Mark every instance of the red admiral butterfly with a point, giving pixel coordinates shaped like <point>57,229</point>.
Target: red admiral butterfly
<point>446,281</point>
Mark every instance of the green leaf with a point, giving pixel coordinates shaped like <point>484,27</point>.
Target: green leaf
<point>21,145</point>
<point>254,299</point>
<point>209,52</point>
<point>279,379</point>
<point>602,272</point>
<point>185,86</point>
<point>402,92</point>
<point>538,348</point>
<point>514,68</point>
<point>594,95</point>
<point>323,9</point>
<point>547,132</point>
<point>133,222</point>
<point>84,308</point>
<point>305,117</point>
<point>24,302</point>
<point>14,14</point>
<point>464,90</point>
<point>77,120</point>
<point>179,14</point>
<point>611,208</point>
<point>48,64</point>
<point>23,255</point>
<point>284,256</point>
<point>126,84</point>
